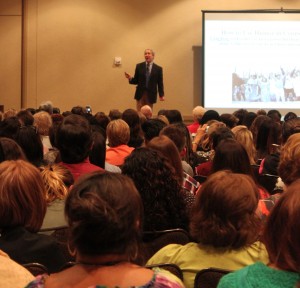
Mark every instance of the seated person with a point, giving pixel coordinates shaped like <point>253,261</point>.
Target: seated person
<point>58,180</point>
<point>224,226</point>
<point>74,141</point>
<point>118,135</point>
<point>281,237</point>
<point>22,210</point>
<point>12,274</point>
<point>104,212</point>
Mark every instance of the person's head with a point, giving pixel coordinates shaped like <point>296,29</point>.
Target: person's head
<point>240,114</point>
<point>289,163</point>
<point>198,113</point>
<point>167,147</point>
<point>25,117</point>
<point>176,135</point>
<point>229,119</point>
<point>132,118</point>
<point>118,133</point>
<point>9,127</point>
<point>207,139</point>
<point>102,119</point>
<point>74,139</point>
<point>289,116</point>
<point>149,55</point>
<point>31,143</point>
<point>58,180</point>
<point>104,213</point>
<point>261,112</point>
<point>224,213</point>
<point>46,106</point>
<point>43,122</point>
<point>244,136</point>
<point>231,155</point>
<point>209,115</point>
<point>248,119</point>
<point>290,127</point>
<point>274,115</point>
<point>174,116</point>
<point>22,195</point>
<point>152,128</point>
<point>11,149</point>
<point>269,133</point>
<point>256,125</point>
<point>115,114</point>
<point>281,234</point>
<point>147,111</point>
<point>78,110</point>
<point>158,185</point>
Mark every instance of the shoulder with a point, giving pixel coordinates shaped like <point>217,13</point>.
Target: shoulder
<point>166,279</point>
<point>157,66</point>
<point>38,282</point>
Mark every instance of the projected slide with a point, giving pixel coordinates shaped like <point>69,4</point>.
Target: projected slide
<point>251,60</point>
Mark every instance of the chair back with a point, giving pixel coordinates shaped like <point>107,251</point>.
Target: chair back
<point>36,268</point>
<point>155,240</point>
<point>209,278</point>
<point>200,178</point>
<point>172,268</point>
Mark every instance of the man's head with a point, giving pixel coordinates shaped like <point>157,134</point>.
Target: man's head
<point>147,111</point>
<point>149,55</point>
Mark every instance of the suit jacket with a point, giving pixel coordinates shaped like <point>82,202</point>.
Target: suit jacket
<point>155,82</point>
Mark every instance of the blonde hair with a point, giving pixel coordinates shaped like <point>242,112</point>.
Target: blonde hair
<point>206,141</point>
<point>57,179</point>
<point>118,132</point>
<point>244,136</point>
<point>43,122</point>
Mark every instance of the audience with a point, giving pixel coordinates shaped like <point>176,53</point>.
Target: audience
<point>281,237</point>
<point>224,226</point>
<point>118,136</point>
<point>22,210</point>
<point>132,118</point>
<point>74,141</point>
<point>104,212</point>
<point>158,184</point>
<point>57,180</point>
<point>12,274</point>
<point>198,113</point>
<point>146,110</point>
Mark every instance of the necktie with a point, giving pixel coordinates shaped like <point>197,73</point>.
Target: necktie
<point>147,74</point>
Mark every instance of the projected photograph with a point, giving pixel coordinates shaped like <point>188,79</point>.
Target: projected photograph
<point>251,60</point>
<point>281,85</point>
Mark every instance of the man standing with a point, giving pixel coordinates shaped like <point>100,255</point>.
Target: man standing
<point>149,79</point>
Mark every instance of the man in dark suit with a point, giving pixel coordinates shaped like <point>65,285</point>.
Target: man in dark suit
<point>149,80</point>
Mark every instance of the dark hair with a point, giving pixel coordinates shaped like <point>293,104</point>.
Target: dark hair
<point>248,119</point>
<point>79,110</point>
<point>104,211</point>
<point>98,151</point>
<point>115,114</point>
<point>31,143</point>
<point>221,133</point>
<point>132,118</point>
<point>152,128</point>
<point>74,139</point>
<point>11,149</point>
<point>174,116</point>
<point>25,117</point>
<point>225,211</point>
<point>240,114</point>
<point>274,115</point>
<point>155,179</point>
<point>269,133</point>
<point>290,127</point>
<point>209,115</point>
<point>229,119</point>
<point>9,127</point>
<point>176,135</point>
<point>281,235</point>
<point>102,119</point>
<point>289,116</point>
<point>231,155</point>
